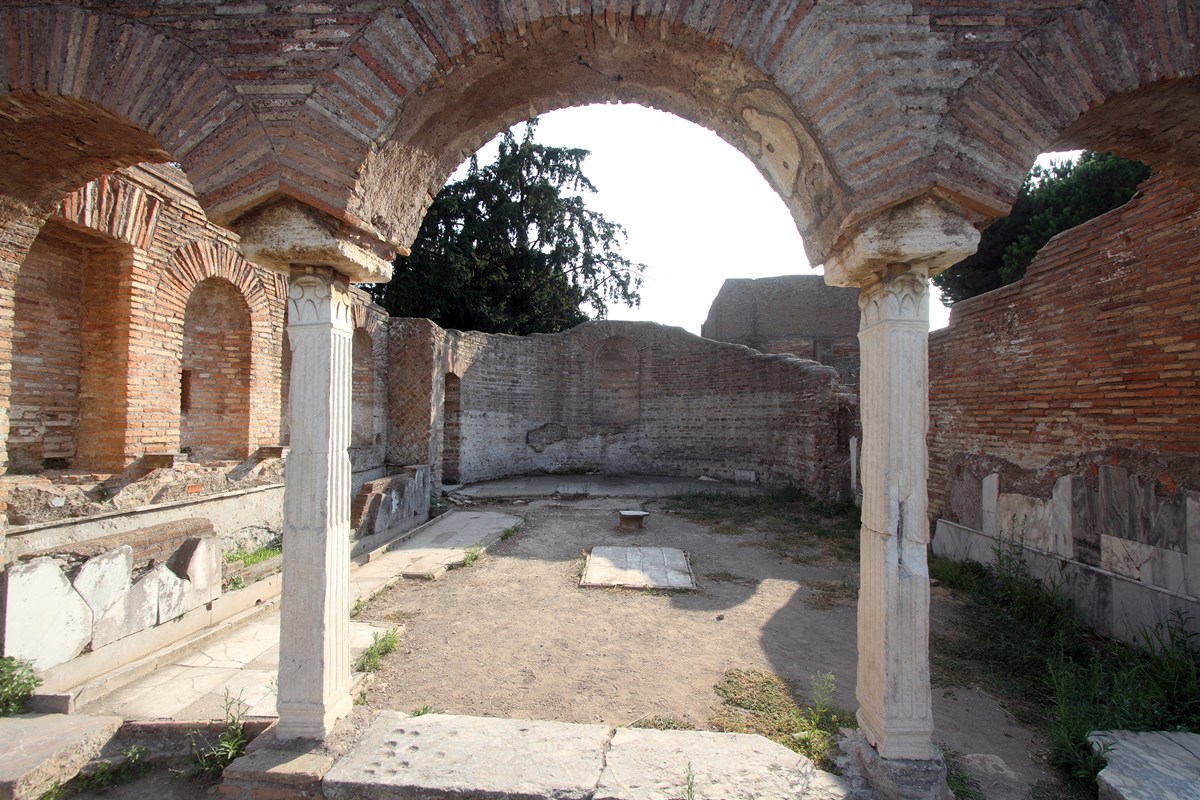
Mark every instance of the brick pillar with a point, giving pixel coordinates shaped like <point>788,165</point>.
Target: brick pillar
<point>314,644</point>
<point>889,259</point>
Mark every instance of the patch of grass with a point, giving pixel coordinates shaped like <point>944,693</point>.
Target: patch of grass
<point>827,594</point>
<point>235,583</point>
<point>508,533</point>
<point>663,723</point>
<point>209,759</point>
<point>959,780</point>
<point>763,703</point>
<point>471,555</point>
<point>1016,639</point>
<point>721,577</point>
<point>249,558</point>
<point>360,699</point>
<point>381,645</point>
<point>961,575</point>
<point>132,766</point>
<point>360,605</point>
<point>795,525</point>
<point>689,783</point>
<point>17,684</point>
<point>424,709</point>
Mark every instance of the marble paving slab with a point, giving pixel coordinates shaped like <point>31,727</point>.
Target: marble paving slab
<point>638,568</point>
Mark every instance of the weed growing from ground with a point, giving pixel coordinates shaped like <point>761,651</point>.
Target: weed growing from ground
<point>1016,638</point>
<point>471,555</point>
<point>209,759</point>
<point>960,782</point>
<point>360,605</point>
<point>424,709</point>
<point>508,533</point>
<point>689,783</point>
<point>796,526</point>
<point>104,775</point>
<point>381,644</point>
<point>17,684</point>
<point>763,703</point>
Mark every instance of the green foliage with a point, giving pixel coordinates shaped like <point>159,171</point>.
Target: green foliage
<point>209,759</point>
<point>17,684</point>
<point>104,775</point>
<point>251,557</point>
<point>1052,199</point>
<point>423,709</point>
<point>381,644</point>
<point>512,248</point>
<point>663,723</point>
<point>959,780</point>
<point>1016,638</point>
<point>762,703</point>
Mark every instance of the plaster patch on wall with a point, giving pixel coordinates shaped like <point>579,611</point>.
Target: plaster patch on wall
<point>541,438</point>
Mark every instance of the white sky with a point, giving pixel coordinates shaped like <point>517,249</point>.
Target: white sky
<point>696,210</point>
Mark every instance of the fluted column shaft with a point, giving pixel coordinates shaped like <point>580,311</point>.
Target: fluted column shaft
<point>893,607</point>
<point>314,646</point>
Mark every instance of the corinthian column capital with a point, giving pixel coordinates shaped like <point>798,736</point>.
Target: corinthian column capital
<point>900,295</point>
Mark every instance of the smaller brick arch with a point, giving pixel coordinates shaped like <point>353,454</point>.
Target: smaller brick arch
<point>191,265</point>
<point>113,206</point>
<point>215,378</point>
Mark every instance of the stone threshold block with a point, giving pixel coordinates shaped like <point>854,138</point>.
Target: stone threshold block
<point>1148,766</point>
<point>39,751</point>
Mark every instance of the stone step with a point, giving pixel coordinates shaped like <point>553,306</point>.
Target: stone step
<point>1148,766</point>
<point>411,758</point>
<point>41,751</point>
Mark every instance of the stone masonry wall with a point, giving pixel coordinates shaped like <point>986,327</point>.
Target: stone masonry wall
<point>797,314</point>
<point>1065,408</point>
<point>638,398</point>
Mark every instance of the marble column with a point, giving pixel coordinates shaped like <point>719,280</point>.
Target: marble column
<point>314,641</point>
<point>893,606</point>
<point>890,257</point>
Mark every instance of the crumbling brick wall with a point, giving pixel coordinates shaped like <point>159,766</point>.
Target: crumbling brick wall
<point>621,397</point>
<point>1093,357</point>
<point>797,314</point>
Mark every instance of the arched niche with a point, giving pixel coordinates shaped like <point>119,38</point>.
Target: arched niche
<point>616,382</point>
<point>214,382</point>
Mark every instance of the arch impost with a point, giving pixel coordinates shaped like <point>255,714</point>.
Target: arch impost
<point>289,233</point>
<point>927,233</point>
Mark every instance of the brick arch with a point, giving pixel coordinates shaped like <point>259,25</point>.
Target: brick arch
<point>200,260</point>
<point>415,93</point>
<point>115,207</point>
<point>1091,78</point>
<point>86,93</point>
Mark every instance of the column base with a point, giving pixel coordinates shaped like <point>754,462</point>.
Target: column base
<point>305,721</point>
<point>900,778</point>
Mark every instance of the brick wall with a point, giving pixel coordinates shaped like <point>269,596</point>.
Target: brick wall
<point>1093,358</point>
<point>104,294</point>
<point>621,397</point>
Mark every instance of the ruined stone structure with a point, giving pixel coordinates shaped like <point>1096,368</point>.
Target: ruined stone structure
<point>1065,412</point>
<point>318,132</point>
<point>797,314</point>
<point>615,398</point>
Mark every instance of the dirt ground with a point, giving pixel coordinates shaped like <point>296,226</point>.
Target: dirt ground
<point>514,636</point>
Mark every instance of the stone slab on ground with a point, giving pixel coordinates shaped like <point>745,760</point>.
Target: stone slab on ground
<point>1149,766</point>
<point>445,541</point>
<point>654,765</point>
<point>638,568</point>
<point>441,755</point>
<point>39,751</point>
